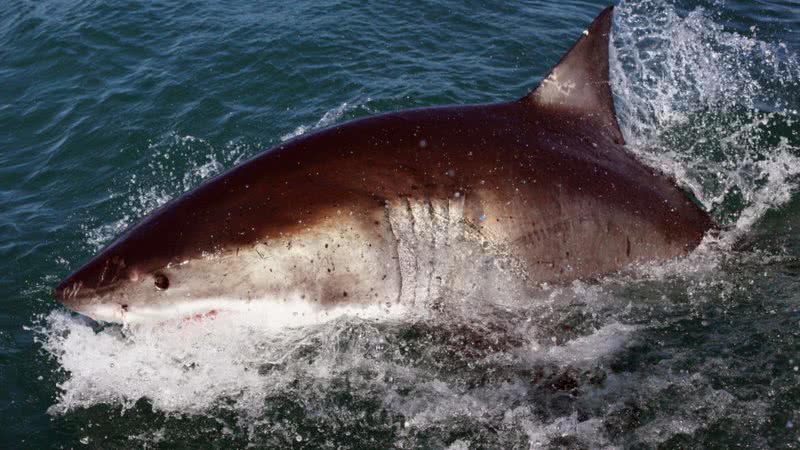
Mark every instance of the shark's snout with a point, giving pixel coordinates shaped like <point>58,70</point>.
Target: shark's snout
<point>75,290</point>
<point>66,290</point>
<point>100,275</point>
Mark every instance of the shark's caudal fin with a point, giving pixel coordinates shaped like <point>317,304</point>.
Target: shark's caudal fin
<point>579,82</point>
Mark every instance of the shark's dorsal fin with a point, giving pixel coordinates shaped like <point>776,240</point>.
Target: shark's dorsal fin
<point>579,82</point>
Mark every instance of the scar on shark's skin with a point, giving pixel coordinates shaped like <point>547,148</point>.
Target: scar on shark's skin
<point>401,207</point>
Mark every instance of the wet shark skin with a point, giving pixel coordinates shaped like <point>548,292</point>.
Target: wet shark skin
<point>544,181</point>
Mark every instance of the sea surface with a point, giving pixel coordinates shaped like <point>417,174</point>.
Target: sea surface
<point>109,109</point>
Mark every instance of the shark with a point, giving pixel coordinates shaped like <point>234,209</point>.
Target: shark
<point>406,208</point>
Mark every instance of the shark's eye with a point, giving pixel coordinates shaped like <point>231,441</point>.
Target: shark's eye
<point>161,281</point>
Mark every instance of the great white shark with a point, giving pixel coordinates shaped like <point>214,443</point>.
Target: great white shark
<point>404,208</point>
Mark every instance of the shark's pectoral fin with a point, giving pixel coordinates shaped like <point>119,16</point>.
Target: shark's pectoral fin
<point>579,82</point>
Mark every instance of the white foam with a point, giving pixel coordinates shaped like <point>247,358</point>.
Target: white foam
<point>542,434</point>
<point>605,341</point>
<point>181,366</point>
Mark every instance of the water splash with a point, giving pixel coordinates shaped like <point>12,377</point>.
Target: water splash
<point>329,118</point>
<point>709,107</point>
<point>175,164</point>
<point>416,367</point>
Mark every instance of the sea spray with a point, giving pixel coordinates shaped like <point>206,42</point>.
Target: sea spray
<point>709,107</point>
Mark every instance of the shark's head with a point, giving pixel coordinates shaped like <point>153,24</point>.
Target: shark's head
<point>157,269</point>
<point>189,259</point>
<point>127,283</point>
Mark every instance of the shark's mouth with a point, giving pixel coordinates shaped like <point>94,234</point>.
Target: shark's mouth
<point>267,312</point>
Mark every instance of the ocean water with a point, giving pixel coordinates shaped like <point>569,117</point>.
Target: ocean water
<point>109,109</point>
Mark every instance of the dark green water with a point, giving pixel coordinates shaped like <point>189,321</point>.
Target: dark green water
<point>108,109</point>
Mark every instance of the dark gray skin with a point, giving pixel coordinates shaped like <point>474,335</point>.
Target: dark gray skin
<point>543,182</point>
